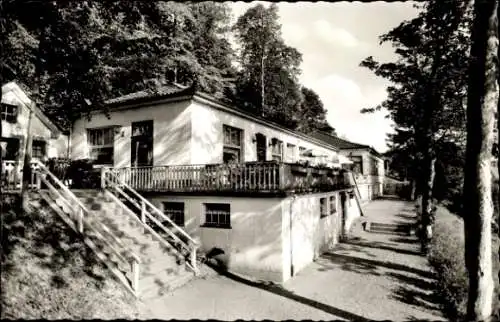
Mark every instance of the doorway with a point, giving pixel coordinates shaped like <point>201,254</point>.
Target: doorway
<point>142,144</point>
<point>261,143</point>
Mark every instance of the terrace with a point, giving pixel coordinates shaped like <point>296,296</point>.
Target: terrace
<point>241,178</point>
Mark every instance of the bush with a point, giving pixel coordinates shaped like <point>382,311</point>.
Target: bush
<point>83,175</point>
<point>446,256</point>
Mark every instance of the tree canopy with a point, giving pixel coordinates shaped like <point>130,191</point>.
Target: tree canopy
<point>426,100</point>
<point>72,56</point>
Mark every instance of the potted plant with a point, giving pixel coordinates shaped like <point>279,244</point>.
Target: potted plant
<point>323,169</point>
<point>298,167</point>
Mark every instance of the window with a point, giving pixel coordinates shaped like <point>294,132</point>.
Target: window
<point>9,113</point>
<point>290,152</point>
<point>142,144</point>
<point>10,149</point>
<point>38,149</point>
<point>277,150</point>
<point>333,204</point>
<point>357,166</point>
<point>302,150</point>
<point>174,211</point>
<point>322,207</point>
<point>374,167</point>
<point>217,215</point>
<point>232,151</point>
<point>101,145</point>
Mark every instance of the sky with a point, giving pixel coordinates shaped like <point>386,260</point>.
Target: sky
<point>333,39</point>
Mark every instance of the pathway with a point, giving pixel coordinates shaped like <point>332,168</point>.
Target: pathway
<point>372,277</point>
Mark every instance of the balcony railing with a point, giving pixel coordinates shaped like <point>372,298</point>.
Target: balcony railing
<point>12,172</point>
<point>244,177</point>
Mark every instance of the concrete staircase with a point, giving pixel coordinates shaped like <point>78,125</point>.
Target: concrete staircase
<point>161,269</point>
<point>389,228</point>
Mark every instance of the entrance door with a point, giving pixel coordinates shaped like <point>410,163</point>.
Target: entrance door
<point>142,144</point>
<point>261,147</point>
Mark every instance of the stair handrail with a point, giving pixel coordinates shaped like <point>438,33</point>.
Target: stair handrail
<point>114,179</point>
<point>153,207</point>
<point>358,195</point>
<point>68,204</point>
<point>84,209</point>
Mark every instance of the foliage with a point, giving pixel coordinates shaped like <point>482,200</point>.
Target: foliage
<point>312,114</point>
<point>72,56</point>
<point>75,55</point>
<point>446,256</point>
<point>267,82</point>
<point>426,101</point>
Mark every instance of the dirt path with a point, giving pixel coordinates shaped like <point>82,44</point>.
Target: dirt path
<point>372,277</point>
<point>377,276</point>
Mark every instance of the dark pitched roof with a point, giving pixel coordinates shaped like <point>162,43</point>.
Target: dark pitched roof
<point>147,95</point>
<point>176,91</point>
<point>341,143</point>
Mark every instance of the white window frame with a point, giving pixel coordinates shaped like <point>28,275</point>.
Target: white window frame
<point>217,218</point>
<point>101,143</point>
<point>234,142</point>
<point>277,150</point>
<point>9,116</point>
<point>291,151</point>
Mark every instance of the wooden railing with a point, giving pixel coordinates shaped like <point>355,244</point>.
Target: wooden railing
<point>12,172</point>
<point>80,220</point>
<point>153,219</point>
<point>12,175</point>
<point>251,176</point>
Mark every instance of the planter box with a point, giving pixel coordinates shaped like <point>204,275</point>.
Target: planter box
<point>323,171</point>
<point>298,168</point>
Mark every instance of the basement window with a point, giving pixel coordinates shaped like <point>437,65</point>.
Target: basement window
<point>217,215</point>
<point>323,208</point>
<point>333,204</point>
<point>174,211</point>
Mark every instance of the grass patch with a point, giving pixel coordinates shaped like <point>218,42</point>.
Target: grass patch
<point>49,273</point>
<point>446,256</point>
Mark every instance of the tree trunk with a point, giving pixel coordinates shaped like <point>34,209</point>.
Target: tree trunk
<point>413,190</point>
<point>497,181</point>
<point>478,205</point>
<point>27,164</point>
<point>262,72</point>
<point>427,213</point>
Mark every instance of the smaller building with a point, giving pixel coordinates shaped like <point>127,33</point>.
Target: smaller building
<point>48,141</point>
<point>367,164</point>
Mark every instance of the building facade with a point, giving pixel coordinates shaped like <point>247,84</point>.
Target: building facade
<point>47,139</point>
<point>233,181</point>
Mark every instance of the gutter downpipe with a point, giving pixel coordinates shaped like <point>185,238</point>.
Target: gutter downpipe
<point>294,197</point>
<point>68,152</point>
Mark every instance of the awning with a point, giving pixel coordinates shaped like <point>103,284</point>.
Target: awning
<point>344,160</point>
<point>312,154</point>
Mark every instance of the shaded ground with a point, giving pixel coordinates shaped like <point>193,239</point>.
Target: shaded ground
<point>373,277</point>
<point>47,272</point>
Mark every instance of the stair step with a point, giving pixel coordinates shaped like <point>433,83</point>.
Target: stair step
<point>376,227</point>
<point>160,265</point>
<point>154,286</point>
